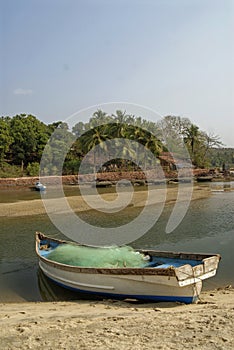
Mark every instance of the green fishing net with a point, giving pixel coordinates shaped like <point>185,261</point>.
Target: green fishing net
<point>97,257</point>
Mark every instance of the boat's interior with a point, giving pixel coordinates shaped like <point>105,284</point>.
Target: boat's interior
<point>45,247</point>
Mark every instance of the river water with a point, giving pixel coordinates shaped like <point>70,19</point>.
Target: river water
<point>208,226</point>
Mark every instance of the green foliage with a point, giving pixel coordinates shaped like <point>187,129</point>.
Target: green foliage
<point>33,169</point>
<point>22,141</point>
<point>56,150</point>
<point>29,139</point>
<point>71,166</point>
<point>221,157</point>
<point>176,131</point>
<point>5,136</point>
<point>102,127</point>
<point>7,170</point>
<point>24,138</point>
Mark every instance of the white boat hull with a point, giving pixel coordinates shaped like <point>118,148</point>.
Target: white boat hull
<point>142,287</point>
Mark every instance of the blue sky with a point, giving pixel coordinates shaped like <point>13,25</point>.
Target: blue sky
<point>173,56</point>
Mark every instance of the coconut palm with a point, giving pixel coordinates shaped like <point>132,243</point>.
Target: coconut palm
<point>92,138</point>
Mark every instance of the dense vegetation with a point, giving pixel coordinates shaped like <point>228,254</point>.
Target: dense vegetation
<point>222,158</point>
<point>24,138</point>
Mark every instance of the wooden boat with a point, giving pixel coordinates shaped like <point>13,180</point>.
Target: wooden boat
<point>102,184</point>
<point>204,178</point>
<point>39,186</point>
<point>167,277</point>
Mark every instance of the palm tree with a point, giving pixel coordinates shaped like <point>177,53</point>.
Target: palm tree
<point>191,139</point>
<point>92,138</point>
<point>99,117</point>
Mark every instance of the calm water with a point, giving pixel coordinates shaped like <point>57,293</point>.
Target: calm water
<point>207,227</point>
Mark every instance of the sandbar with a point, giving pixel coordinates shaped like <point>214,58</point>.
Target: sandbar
<point>78,204</point>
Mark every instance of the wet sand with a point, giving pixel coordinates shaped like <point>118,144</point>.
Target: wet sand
<point>78,204</point>
<point>120,325</point>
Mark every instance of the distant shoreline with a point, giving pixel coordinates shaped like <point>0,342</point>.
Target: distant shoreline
<point>134,177</point>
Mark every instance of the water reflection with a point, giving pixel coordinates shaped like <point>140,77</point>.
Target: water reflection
<point>221,186</point>
<point>206,217</point>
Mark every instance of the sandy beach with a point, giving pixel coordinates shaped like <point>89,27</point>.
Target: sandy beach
<point>120,325</point>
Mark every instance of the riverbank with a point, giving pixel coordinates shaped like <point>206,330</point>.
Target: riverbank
<point>120,325</point>
<point>151,176</point>
<point>78,204</point>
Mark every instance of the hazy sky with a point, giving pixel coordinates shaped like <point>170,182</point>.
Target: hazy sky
<point>174,56</point>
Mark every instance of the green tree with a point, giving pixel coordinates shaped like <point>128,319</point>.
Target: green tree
<point>171,130</point>
<point>33,169</point>
<point>56,150</point>
<point>99,118</point>
<point>176,131</point>
<point>29,139</point>
<point>5,137</point>
<point>79,129</point>
<point>92,138</point>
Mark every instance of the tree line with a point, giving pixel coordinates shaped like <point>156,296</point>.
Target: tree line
<point>24,138</point>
